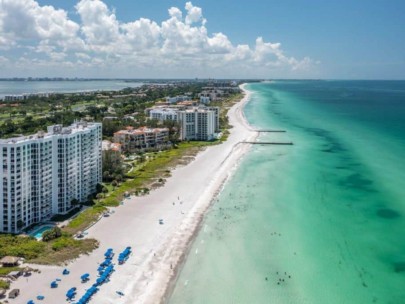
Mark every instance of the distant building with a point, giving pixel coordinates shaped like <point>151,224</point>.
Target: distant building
<point>110,118</point>
<point>205,99</point>
<point>111,150</point>
<point>133,140</point>
<point>163,114</point>
<point>197,124</point>
<point>43,173</point>
<point>14,97</point>
<point>176,99</point>
<point>10,98</point>
<point>108,145</point>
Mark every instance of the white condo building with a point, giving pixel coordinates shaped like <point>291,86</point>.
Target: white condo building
<point>163,114</point>
<point>197,124</point>
<point>41,174</point>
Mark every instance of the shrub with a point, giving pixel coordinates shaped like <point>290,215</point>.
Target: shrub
<point>63,243</point>
<point>26,247</point>
<point>4,284</point>
<point>51,234</point>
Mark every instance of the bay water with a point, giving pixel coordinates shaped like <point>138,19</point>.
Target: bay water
<point>10,87</point>
<point>321,221</point>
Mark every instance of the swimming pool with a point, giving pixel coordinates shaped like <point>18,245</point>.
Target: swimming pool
<point>37,233</point>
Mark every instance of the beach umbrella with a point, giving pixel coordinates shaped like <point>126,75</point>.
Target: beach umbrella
<point>40,297</point>
<point>30,302</point>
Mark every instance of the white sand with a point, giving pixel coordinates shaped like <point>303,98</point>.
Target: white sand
<point>157,249</point>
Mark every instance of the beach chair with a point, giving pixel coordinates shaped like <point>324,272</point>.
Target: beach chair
<point>85,277</point>
<point>40,298</point>
<point>71,293</point>
<point>65,272</point>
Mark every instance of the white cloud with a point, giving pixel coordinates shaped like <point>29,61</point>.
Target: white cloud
<point>141,35</point>
<point>175,13</point>
<point>194,14</point>
<point>99,25</point>
<point>27,20</point>
<point>100,40</point>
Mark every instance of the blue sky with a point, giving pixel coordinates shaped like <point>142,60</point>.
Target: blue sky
<point>257,38</point>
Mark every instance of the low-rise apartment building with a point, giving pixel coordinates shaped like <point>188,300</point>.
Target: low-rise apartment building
<point>133,140</point>
<point>177,98</point>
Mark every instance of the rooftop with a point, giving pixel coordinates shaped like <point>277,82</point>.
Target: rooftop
<point>140,131</point>
<point>52,130</point>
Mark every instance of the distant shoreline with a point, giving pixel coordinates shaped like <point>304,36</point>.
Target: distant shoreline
<point>19,88</point>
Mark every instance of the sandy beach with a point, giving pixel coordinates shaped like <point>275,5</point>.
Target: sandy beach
<point>158,249</point>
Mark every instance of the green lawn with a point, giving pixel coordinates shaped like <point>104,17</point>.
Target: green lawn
<point>7,270</point>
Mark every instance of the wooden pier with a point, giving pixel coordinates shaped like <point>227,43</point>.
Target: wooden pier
<point>270,131</point>
<point>268,143</point>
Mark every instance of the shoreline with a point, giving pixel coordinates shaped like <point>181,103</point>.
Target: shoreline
<point>158,250</point>
<point>170,285</point>
<point>185,244</point>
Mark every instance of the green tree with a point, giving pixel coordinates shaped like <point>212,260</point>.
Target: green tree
<point>99,188</point>
<point>114,184</point>
<point>74,202</point>
<point>51,234</point>
<point>112,164</point>
<point>90,198</point>
<point>105,191</point>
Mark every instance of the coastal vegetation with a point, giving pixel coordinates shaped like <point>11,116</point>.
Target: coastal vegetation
<point>54,251</point>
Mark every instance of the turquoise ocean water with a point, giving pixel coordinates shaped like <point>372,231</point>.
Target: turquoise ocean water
<point>322,221</point>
